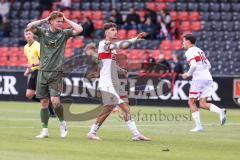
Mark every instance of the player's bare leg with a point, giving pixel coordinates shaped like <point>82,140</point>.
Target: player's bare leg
<point>58,108</point>
<point>213,108</point>
<point>44,118</point>
<point>99,121</point>
<point>115,109</point>
<point>137,136</point>
<point>195,115</point>
<point>104,114</point>
<point>30,94</point>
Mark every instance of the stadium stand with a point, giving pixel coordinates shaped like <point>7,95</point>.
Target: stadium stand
<point>214,22</point>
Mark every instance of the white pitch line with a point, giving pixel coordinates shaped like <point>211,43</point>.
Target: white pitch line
<point>151,124</point>
<point>20,119</point>
<point>15,127</point>
<point>123,126</point>
<point>157,125</point>
<point>38,119</point>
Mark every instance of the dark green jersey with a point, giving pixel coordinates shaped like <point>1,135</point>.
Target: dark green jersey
<point>52,48</point>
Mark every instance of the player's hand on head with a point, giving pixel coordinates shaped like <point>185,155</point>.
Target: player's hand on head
<point>64,18</point>
<point>47,19</point>
<point>141,35</point>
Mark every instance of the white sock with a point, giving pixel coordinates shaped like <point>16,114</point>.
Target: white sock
<point>132,127</point>
<point>94,128</point>
<point>45,130</point>
<point>63,123</point>
<point>214,108</point>
<point>196,118</point>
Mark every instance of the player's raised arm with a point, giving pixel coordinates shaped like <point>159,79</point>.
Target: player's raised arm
<point>77,28</point>
<point>127,43</point>
<point>32,25</point>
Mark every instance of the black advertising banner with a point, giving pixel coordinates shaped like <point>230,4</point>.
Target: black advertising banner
<point>146,91</point>
<point>13,86</point>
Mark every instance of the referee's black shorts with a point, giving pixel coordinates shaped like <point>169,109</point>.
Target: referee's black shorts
<point>32,82</point>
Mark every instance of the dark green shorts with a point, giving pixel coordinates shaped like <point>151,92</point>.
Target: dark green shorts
<point>49,84</point>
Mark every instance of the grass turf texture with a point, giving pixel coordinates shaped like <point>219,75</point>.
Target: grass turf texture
<point>19,124</point>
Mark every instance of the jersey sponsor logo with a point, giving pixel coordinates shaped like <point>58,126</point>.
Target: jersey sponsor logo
<point>52,44</point>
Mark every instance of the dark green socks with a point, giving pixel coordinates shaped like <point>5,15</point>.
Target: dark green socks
<point>59,112</point>
<point>44,117</point>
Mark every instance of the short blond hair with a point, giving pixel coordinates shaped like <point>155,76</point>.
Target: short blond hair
<point>55,14</point>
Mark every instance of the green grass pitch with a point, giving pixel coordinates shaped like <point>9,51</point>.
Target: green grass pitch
<point>171,139</point>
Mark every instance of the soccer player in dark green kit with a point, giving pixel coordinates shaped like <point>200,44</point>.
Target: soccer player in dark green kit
<point>52,46</point>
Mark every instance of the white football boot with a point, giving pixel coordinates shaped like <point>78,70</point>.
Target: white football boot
<point>93,136</point>
<point>197,129</point>
<point>63,129</point>
<point>43,133</point>
<point>223,116</point>
<point>140,137</point>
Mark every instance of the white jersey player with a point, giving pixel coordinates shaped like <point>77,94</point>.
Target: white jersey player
<point>109,82</point>
<point>202,82</point>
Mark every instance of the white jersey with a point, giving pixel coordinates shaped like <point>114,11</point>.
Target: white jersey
<point>108,82</point>
<point>108,65</point>
<point>202,69</point>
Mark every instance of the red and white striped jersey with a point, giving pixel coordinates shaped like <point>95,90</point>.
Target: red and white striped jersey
<point>106,55</point>
<point>202,70</point>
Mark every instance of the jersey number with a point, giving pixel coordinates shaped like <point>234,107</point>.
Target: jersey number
<point>203,57</point>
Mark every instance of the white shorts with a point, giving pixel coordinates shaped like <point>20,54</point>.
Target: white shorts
<point>110,96</point>
<point>201,89</point>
